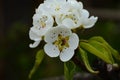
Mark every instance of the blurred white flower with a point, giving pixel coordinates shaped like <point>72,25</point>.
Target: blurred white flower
<point>41,24</point>
<point>61,42</point>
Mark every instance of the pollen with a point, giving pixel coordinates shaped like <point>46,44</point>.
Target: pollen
<point>43,20</point>
<point>73,17</point>
<point>61,42</point>
<point>57,8</point>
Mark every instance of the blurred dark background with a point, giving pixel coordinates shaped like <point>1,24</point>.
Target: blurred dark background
<point>16,58</point>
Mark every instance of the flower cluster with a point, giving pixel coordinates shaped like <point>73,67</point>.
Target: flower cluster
<point>53,22</point>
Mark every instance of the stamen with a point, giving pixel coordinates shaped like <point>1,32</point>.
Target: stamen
<point>61,42</point>
<point>43,19</point>
<point>73,17</point>
<point>57,8</point>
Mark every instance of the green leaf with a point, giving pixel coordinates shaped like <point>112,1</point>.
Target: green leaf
<point>95,50</point>
<point>103,48</point>
<point>39,58</point>
<point>86,62</point>
<point>69,69</point>
<point>113,51</point>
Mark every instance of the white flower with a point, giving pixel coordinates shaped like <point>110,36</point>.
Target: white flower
<point>61,42</point>
<point>41,24</point>
<point>86,21</point>
<point>75,16</point>
<point>71,16</point>
<point>76,19</point>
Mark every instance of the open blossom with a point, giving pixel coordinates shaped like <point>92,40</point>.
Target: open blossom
<point>75,16</point>
<point>41,24</point>
<point>71,17</point>
<point>61,42</point>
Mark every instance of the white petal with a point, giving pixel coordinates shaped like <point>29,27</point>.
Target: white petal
<point>50,21</point>
<point>66,54</point>
<point>34,36</point>
<point>36,18</point>
<point>73,41</point>
<point>65,8</point>
<point>68,23</point>
<point>37,31</point>
<point>58,19</point>
<point>40,8</point>
<point>80,5</point>
<point>54,1</point>
<point>90,22</point>
<point>35,44</point>
<point>51,50</point>
<point>51,35</point>
<point>75,4</point>
<point>72,2</point>
<point>63,30</point>
<point>85,13</point>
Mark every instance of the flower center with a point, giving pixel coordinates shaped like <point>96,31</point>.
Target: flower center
<point>73,17</point>
<point>61,42</point>
<point>57,8</point>
<point>43,19</point>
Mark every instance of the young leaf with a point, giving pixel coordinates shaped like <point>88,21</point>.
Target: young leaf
<point>103,48</point>
<point>38,60</point>
<point>85,60</point>
<point>92,49</point>
<point>69,69</point>
<point>113,51</point>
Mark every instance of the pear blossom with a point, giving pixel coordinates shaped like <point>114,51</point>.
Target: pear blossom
<point>75,16</point>
<point>60,41</point>
<point>76,19</point>
<point>41,24</point>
